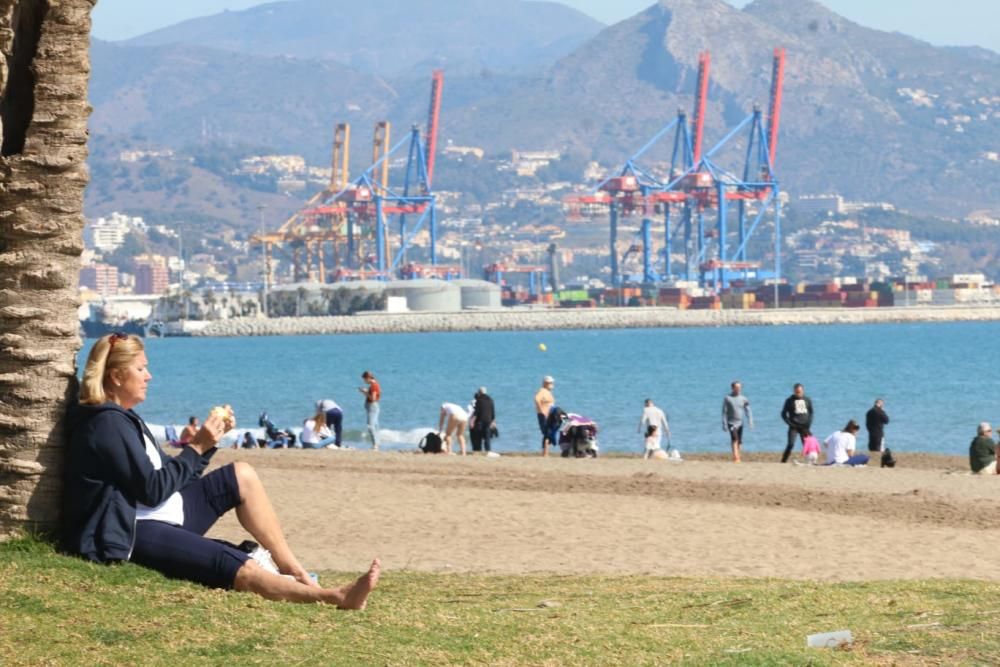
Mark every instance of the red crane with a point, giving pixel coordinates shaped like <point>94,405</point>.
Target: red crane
<point>433,118</point>
<point>701,101</point>
<point>774,113</point>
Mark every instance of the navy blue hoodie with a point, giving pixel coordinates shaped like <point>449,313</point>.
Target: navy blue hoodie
<point>107,472</point>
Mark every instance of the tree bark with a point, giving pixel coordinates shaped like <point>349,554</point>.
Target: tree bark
<point>43,109</point>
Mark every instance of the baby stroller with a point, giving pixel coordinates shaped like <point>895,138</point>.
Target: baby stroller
<point>276,438</point>
<point>578,437</point>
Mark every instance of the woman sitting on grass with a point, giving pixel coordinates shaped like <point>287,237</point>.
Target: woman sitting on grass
<point>125,500</point>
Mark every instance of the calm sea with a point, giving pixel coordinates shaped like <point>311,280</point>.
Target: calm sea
<point>938,380</point>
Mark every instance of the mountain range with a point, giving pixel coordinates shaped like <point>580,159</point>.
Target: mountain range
<point>869,114</point>
<point>393,37</point>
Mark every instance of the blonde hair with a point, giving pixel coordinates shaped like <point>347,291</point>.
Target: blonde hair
<point>104,357</point>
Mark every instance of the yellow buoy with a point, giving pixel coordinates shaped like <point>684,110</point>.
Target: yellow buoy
<point>541,346</point>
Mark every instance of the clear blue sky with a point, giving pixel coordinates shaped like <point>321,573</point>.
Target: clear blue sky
<point>953,22</point>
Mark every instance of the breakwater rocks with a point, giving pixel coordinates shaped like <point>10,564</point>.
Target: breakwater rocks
<point>514,319</point>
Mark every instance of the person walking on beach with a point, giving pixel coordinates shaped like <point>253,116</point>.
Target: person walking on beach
<point>544,400</point>
<point>875,422</point>
<point>797,413</point>
<point>373,394</point>
<point>653,416</point>
<point>735,407</point>
<point>334,417</point>
<point>483,421</point>
<point>983,451</point>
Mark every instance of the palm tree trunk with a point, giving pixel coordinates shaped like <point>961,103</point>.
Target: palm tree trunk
<point>43,111</point>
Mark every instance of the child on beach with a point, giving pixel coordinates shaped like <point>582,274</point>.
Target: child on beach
<point>652,441</point>
<point>810,448</point>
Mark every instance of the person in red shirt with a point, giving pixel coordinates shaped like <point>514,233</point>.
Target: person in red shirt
<point>373,394</point>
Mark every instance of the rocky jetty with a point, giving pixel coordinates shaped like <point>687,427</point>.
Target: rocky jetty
<point>604,318</point>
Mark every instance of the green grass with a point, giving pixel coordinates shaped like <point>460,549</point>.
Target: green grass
<point>62,611</point>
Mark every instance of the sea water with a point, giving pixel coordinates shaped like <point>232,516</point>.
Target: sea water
<point>938,380</point>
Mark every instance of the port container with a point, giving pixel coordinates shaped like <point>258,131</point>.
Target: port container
<point>697,181</point>
<point>621,184</point>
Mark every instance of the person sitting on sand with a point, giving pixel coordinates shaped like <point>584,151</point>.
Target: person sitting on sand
<point>652,443</point>
<point>983,451</point>
<point>125,500</point>
<point>188,431</point>
<point>316,434</point>
<point>840,447</point>
<point>451,423</point>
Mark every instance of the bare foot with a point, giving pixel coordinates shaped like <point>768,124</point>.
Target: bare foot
<point>355,596</point>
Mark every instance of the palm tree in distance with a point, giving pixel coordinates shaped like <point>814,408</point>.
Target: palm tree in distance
<point>43,111</point>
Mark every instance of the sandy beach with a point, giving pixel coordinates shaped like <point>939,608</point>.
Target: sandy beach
<point>702,517</point>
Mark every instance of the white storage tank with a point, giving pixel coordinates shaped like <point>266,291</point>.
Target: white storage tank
<point>478,294</point>
<point>427,295</point>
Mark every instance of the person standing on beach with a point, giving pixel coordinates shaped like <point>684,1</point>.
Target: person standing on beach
<point>483,421</point>
<point>653,416</point>
<point>334,417</point>
<point>797,413</point>
<point>875,422</point>
<point>734,407</point>
<point>373,394</point>
<point>544,400</point>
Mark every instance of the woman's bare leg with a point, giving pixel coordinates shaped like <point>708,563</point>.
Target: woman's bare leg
<point>451,431</point>
<point>460,427</point>
<point>257,516</point>
<point>251,578</point>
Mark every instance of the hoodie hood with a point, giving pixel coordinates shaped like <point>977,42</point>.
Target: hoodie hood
<point>79,414</point>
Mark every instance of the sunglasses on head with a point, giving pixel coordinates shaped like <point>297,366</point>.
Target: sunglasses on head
<point>114,338</point>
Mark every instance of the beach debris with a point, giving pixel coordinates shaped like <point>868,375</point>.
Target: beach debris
<point>542,347</point>
<point>836,639</point>
<point>549,604</point>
